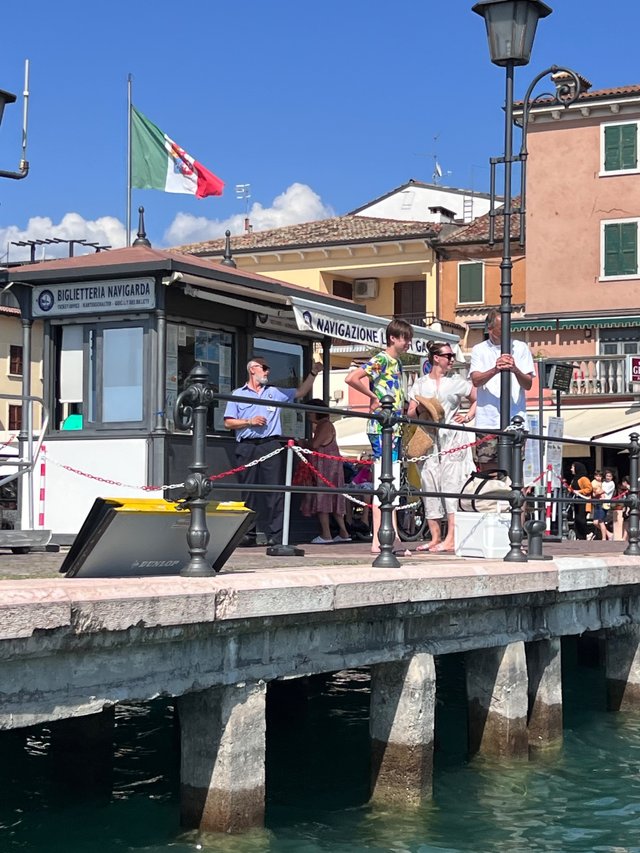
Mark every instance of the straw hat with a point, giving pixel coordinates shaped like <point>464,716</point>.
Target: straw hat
<point>430,409</point>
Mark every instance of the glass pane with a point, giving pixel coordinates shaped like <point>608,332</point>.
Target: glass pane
<point>122,374</point>
<point>214,349</point>
<point>609,349</point>
<point>630,348</point>
<point>285,361</point>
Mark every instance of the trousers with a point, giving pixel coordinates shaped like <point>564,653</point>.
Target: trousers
<point>268,506</point>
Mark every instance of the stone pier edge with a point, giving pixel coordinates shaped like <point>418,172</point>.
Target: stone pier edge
<point>97,604</point>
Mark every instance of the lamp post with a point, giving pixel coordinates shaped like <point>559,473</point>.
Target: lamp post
<point>511,28</point>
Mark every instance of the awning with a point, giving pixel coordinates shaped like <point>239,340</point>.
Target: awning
<point>596,424</point>
<point>598,322</point>
<point>366,329</point>
<point>533,325</point>
<point>621,435</point>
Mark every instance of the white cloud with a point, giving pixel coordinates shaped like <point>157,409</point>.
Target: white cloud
<point>298,203</point>
<point>106,231</point>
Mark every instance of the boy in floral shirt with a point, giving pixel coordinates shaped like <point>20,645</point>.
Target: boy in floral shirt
<point>380,376</point>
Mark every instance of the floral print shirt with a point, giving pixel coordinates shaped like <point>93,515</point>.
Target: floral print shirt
<point>385,377</point>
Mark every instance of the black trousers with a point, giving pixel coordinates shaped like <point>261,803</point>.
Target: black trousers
<point>580,520</point>
<point>268,506</point>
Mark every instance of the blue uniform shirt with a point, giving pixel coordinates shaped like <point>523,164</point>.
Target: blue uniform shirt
<point>244,411</point>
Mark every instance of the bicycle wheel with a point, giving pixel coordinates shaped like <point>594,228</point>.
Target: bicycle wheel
<point>412,521</point>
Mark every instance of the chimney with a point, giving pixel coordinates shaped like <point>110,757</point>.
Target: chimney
<point>248,227</point>
<point>564,81</point>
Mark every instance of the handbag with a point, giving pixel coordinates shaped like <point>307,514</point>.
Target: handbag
<point>485,482</point>
<point>419,444</point>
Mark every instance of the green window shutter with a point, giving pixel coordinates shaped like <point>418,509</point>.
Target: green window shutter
<point>612,136</point>
<point>628,146</point>
<point>621,249</point>
<point>620,147</point>
<point>469,283</point>
<point>629,248</point>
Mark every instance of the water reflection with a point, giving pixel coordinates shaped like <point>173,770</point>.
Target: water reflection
<point>584,798</point>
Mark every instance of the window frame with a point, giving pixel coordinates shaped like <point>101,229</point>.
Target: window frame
<point>625,276</point>
<point>171,392</point>
<point>99,426</point>
<point>11,409</point>
<point>468,263</point>
<point>12,372</point>
<point>613,172</point>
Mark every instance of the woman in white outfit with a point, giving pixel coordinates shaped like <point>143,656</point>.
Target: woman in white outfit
<point>449,462</point>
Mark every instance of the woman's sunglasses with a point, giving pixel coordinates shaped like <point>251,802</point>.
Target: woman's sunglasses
<point>448,355</point>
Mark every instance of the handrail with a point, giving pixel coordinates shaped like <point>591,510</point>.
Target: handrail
<point>190,413</point>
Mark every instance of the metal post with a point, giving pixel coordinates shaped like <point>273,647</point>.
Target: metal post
<point>633,549</point>
<point>191,412</point>
<point>286,550</point>
<point>541,444</point>
<point>564,512</point>
<point>516,554</point>
<point>25,438</point>
<point>386,492</point>
<point>504,445</point>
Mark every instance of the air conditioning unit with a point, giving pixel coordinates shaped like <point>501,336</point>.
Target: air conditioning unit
<point>365,288</point>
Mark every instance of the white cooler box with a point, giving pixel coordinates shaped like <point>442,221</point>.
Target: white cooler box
<point>482,534</point>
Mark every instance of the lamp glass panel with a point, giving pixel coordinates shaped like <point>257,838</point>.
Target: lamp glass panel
<point>511,29</point>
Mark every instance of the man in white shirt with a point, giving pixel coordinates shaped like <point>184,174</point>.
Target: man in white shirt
<point>487,363</point>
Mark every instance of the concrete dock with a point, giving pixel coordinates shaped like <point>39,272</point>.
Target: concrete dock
<point>71,648</point>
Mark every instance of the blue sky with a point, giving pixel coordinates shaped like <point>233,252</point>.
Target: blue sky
<point>319,107</point>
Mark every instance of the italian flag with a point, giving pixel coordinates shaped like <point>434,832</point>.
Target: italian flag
<point>157,163</point>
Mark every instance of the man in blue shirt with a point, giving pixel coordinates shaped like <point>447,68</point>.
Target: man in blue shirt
<point>258,432</point>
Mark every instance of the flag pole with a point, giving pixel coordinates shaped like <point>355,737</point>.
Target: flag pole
<point>129,82</point>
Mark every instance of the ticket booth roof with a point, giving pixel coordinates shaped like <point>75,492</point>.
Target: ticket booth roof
<point>143,260</point>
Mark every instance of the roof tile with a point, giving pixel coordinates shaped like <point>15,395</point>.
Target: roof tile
<point>334,231</point>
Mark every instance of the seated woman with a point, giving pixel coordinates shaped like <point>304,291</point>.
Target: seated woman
<point>328,504</point>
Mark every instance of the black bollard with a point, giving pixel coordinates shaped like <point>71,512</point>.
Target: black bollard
<point>535,528</point>
<point>633,549</point>
<point>515,553</point>
<point>190,411</point>
<point>386,491</point>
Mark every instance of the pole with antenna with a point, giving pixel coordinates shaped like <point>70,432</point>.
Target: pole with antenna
<point>128,217</point>
<point>243,192</point>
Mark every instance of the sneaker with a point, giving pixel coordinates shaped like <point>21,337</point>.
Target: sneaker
<point>342,539</point>
<point>320,541</point>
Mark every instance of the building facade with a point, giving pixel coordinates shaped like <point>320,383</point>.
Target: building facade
<point>583,212</point>
<point>387,265</point>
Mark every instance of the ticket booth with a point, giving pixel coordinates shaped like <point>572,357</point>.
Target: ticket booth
<point>122,330</point>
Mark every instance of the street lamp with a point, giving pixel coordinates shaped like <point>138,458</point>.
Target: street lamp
<point>511,28</point>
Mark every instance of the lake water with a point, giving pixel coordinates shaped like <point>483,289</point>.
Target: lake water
<point>584,798</point>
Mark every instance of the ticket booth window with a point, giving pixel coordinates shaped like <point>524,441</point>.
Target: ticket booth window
<point>101,376</point>
<point>214,348</point>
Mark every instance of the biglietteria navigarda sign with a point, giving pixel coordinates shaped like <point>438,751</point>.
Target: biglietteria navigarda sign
<point>96,297</point>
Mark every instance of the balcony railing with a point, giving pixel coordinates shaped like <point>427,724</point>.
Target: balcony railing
<point>600,375</point>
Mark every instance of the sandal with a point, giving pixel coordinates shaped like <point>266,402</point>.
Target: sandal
<point>320,541</point>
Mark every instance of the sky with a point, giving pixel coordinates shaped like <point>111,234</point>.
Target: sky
<point>319,107</point>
